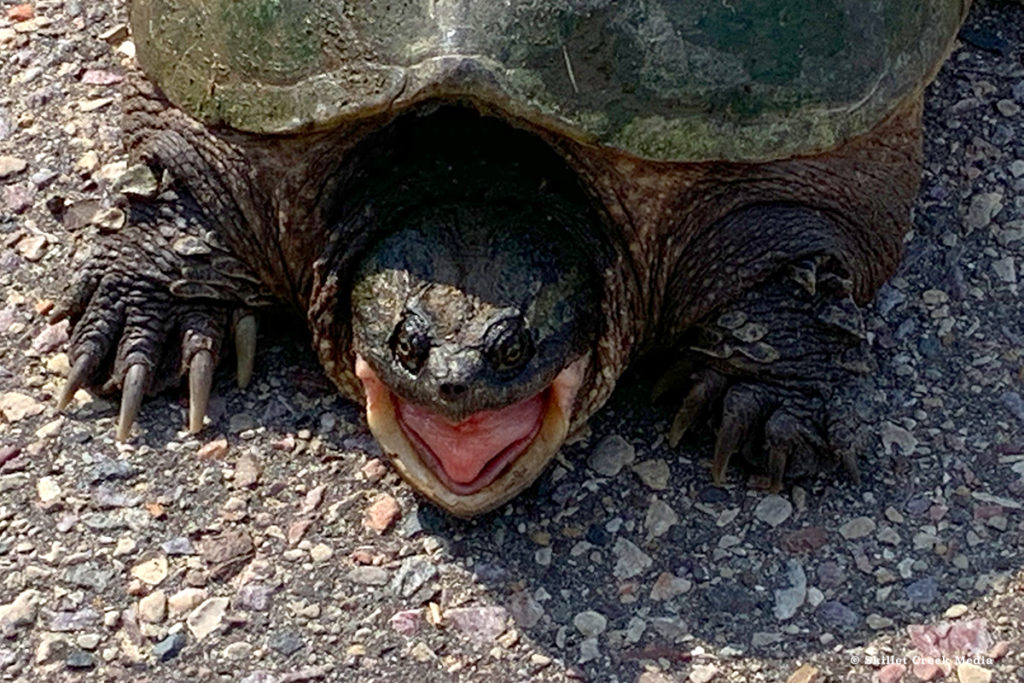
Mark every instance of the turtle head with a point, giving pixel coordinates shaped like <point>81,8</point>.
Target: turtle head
<point>473,327</point>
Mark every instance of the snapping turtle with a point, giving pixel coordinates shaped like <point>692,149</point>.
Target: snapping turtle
<point>486,211</point>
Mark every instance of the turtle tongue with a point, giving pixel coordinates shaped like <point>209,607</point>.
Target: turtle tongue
<point>465,449</point>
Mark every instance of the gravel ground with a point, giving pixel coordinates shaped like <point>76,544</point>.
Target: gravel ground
<point>279,547</point>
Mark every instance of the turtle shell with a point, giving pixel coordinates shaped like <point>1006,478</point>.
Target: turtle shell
<point>673,80</point>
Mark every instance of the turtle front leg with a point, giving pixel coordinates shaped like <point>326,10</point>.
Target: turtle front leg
<point>153,303</point>
<point>782,372</point>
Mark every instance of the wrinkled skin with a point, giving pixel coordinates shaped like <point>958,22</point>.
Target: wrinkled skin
<point>749,275</point>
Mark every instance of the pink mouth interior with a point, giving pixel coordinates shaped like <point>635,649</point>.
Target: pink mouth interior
<point>469,455</point>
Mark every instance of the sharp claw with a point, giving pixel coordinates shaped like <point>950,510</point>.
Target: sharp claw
<point>707,389</point>
<point>719,466</point>
<point>200,379</point>
<point>76,380</point>
<point>245,348</point>
<point>135,381</point>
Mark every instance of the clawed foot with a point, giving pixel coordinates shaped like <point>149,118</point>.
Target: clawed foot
<point>782,432</point>
<point>781,375</point>
<point>131,335</point>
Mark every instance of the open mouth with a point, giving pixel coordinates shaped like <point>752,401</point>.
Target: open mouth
<point>471,454</point>
<point>481,462</point>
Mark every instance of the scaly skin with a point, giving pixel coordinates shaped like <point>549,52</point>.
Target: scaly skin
<point>254,219</point>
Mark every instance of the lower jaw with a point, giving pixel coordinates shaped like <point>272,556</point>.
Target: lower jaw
<point>506,475</point>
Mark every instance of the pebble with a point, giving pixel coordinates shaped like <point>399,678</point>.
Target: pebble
<point>653,473</point>
<point>1017,168</point>
<point>630,560</point>
<point>703,673</point>
<point>955,611</point>
<point>207,618</point>
<point>407,622</point>
<point>967,672</point>
<point>369,576</point>
<point>893,434</point>
<point>153,607</point>
<point>1005,270</point>
<point>669,586</point>
<point>48,490</point>
<point>590,623</point>
<point>773,510</point>
<point>789,600</point>
<point>214,450</point>
<point>321,552</point>
<point>804,540</point>
<point>11,166</point>
<point>285,643</point>
<point>137,180</point>
<point>247,471</point>
<point>589,651</point>
<point>254,596</point>
<point>525,609</point>
<point>382,513</point>
<point>805,674</point>
<point>79,659</point>
<point>374,470</point>
<point>152,570</point>
<point>610,455</point>
<point>482,624</point>
<point>660,518</point>
<point>16,406</point>
<point>983,207</point>
<point>169,647</point>
<point>413,575</point>
<point>239,650</point>
<point>878,622</point>
<point>837,614</point>
<point>1008,108</point>
<point>19,612</point>
<point>923,591</point>
<point>240,422</point>
<point>186,600</point>
<point>891,673</point>
<point>179,545</point>
<point>858,527</point>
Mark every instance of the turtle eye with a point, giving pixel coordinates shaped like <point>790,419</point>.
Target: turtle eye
<point>510,346</point>
<point>410,343</point>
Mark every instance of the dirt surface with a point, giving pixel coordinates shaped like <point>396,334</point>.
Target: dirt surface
<point>277,546</point>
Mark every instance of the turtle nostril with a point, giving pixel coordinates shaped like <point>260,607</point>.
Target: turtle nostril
<point>452,391</point>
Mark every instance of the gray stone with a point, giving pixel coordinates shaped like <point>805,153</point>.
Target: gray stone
<point>773,510</point>
<point>858,527</point>
<point>369,576</point>
<point>285,643</point>
<point>414,573</point>
<point>630,560</point>
<point>789,600</point>
<point>923,591</point>
<point>610,455</point>
<point>1005,270</point>
<point>525,609</point>
<point>482,624</point>
<point>169,647</point>
<point>590,623</point>
<point>982,208</point>
<point>660,518</point>
<point>837,615</point>
<point>653,473</point>
<point>589,651</point>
